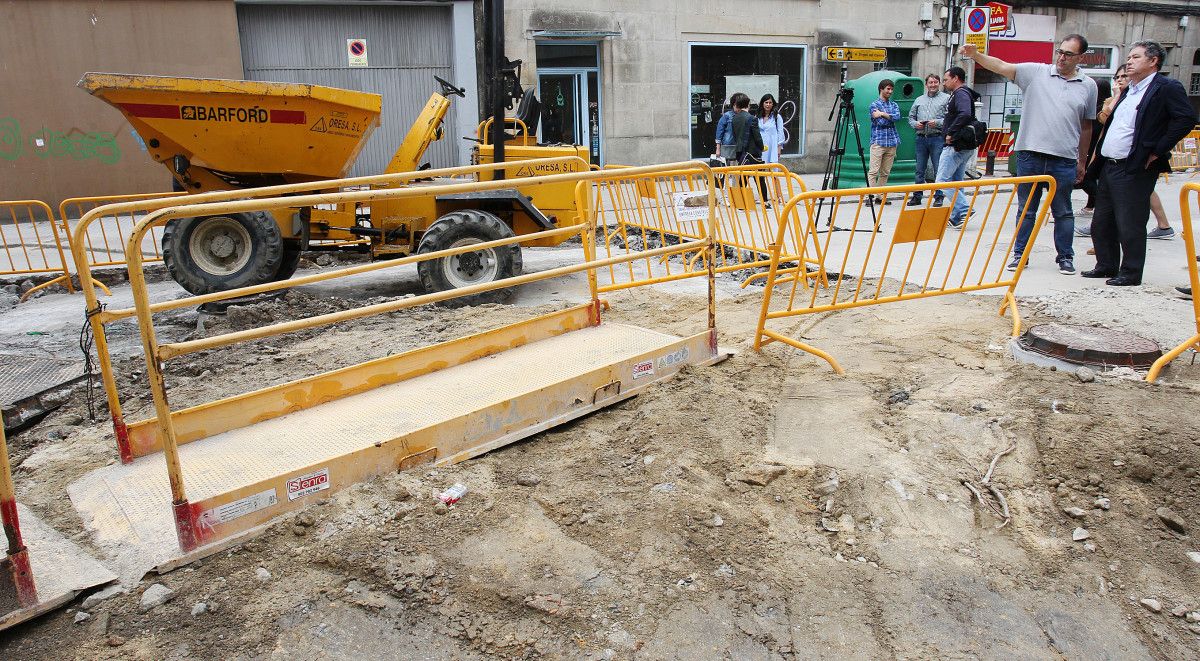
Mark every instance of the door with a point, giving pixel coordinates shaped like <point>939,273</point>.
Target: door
<point>571,109</point>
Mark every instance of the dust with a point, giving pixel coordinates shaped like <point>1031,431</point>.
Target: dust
<point>759,508</point>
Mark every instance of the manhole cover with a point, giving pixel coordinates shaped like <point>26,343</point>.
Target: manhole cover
<point>1086,345</point>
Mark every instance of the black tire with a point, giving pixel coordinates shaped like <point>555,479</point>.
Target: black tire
<point>459,228</point>
<point>290,260</point>
<point>216,253</point>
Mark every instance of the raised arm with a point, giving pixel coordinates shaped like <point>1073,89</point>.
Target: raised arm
<point>993,64</point>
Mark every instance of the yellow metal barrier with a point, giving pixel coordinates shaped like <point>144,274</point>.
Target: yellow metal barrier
<point>105,238</point>
<point>912,247</point>
<point>635,211</point>
<point>98,317</point>
<point>192,528</point>
<point>1189,245</point>
<point>31,243</point>
<point>1186,154</point>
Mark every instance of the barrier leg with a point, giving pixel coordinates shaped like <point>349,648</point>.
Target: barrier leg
<point>17,556</point>
<point>1010,302</point>
<point>806,348</point>
<point>60,279</point>
<point>1192,343</point>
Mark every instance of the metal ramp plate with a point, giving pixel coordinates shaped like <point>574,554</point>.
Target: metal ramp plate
<point>240,479</point>
<point>60,571</point>
<point>25,379</point>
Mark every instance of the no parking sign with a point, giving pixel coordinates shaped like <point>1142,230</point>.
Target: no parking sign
<point>356,51</point>
<point>976,21</point>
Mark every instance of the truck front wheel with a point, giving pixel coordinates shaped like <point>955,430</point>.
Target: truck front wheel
<point>216,253</point>
<point>464,228</point>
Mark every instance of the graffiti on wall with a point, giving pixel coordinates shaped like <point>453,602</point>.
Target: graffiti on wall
<point>74,143</point>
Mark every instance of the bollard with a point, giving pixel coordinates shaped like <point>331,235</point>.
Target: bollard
<point>990,168</point>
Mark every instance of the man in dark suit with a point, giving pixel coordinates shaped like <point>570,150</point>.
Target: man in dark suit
<point>1149,119</point>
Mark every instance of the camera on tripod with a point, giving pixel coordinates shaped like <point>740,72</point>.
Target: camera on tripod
<point>847,94</point>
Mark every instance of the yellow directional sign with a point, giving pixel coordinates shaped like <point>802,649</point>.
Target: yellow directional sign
<point>853,54</point>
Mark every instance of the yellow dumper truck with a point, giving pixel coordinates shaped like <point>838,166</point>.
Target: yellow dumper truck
<point>230,134</point>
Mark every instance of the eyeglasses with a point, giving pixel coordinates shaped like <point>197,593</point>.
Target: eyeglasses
<point>1066,53</point>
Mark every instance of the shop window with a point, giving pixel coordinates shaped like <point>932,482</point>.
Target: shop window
<point>720,70</point>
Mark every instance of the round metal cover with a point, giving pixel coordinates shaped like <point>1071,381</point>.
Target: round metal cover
<point>1087,345</point>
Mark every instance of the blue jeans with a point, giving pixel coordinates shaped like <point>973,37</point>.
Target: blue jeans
<point>929,148</point>
<point>1063,171</point>
<point>951,166</point>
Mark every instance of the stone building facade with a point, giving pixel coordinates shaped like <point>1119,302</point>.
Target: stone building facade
<point>643,82</point>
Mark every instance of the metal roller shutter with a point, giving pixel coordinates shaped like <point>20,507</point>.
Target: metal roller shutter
<point>406,47</point>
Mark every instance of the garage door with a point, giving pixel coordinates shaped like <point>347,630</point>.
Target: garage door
<point>406,47</point>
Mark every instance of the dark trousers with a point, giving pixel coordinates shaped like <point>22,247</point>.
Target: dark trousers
<point>1119,222</point>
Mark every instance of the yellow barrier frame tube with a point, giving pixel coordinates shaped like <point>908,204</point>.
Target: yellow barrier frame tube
<point>1189,245</point>
<point>183,516</point>
<point>94,311</point>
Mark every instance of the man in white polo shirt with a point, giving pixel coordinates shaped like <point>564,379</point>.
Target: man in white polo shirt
<point>1150,118</point>
<point>1058,105</point>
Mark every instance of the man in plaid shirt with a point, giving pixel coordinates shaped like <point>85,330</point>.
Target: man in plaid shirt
<point>884,138</point>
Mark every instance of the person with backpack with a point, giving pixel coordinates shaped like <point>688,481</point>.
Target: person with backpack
<point>725,146</point>
<point>959,148</point>
<point>1059,102</point>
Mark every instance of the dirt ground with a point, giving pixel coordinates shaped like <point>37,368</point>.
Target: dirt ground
<point>760,508</point>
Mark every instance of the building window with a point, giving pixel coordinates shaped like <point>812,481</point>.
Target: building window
<point>899,60</point>
<point>720,70</point>
<point>1194,88</point>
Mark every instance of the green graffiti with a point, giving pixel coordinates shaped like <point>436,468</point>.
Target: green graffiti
<point>10,139</point>
<point>75,144</point>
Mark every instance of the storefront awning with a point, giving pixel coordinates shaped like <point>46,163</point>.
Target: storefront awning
<point>1016,52</point>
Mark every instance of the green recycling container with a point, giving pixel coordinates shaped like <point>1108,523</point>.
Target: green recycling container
<point>866,90</point>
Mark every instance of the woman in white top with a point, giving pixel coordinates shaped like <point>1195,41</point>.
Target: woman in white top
<point>770,125</point>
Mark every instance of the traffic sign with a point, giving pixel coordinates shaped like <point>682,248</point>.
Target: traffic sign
<point>976,22</point>
<point>356,52</point>
<point>853,54</point>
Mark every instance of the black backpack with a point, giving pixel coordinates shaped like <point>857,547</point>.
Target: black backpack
<point>971,136</point>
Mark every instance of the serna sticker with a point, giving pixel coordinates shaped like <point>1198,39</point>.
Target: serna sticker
<point>644,368</point>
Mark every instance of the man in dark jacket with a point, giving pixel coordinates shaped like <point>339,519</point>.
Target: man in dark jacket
<point>1151,116</point>
<point>746,135</point>
<point>953,162</point>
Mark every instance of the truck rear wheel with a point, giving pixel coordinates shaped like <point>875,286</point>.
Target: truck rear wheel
<point>215,253</point>
<point>463,228</point>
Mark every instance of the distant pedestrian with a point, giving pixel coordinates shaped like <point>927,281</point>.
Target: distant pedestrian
<point>1104,99</point>
<point>770,126</point>
<point>725,146</point>
<point>1150,117</point>
<point>1058,105</point>
<point>960,112</point>
<point>884,137</point>
<point>925,118</point>
<point>747,139</point>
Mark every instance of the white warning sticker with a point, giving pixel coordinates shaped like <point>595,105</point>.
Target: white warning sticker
<point>644,368</point>
<point>305,485</point>
<point>241,507</point>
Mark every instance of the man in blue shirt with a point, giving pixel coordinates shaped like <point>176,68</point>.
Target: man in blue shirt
<point>884,137</point>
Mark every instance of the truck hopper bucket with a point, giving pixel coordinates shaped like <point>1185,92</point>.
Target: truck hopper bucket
<point>244,131</point>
